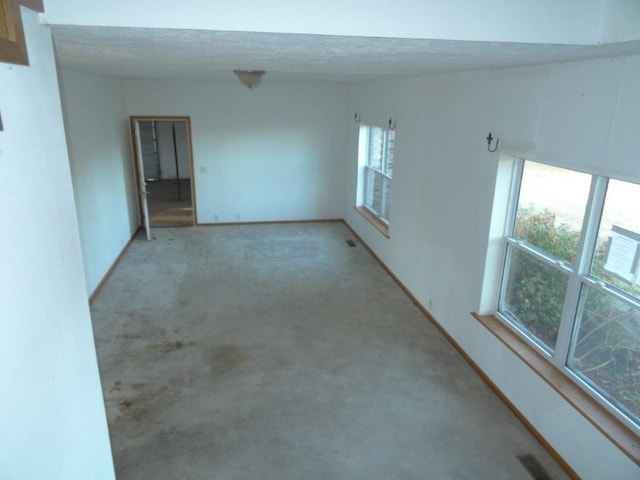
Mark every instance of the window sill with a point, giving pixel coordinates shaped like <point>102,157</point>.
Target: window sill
<point>612,428</point>
<point>382,228</point>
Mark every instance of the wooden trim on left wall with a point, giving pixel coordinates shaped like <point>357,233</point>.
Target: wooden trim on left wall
<point>13,45</point>
<point>107,275</point>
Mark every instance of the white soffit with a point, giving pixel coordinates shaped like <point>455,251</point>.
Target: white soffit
<point>212,55</point>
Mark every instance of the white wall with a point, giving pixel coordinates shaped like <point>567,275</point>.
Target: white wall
<point>543,21</point>
<point>52,415</point>
<point>166,149</point>
<point>581,115</point>
<point>621,21</point>
<point>272,153</point>
<point>101,168</point>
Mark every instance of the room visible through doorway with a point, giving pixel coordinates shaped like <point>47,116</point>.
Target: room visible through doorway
<point>164,171</point>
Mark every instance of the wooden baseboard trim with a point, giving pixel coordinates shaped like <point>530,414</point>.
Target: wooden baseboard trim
<point>107,275</point>
<point>543,442</point>
<point>270,222</point>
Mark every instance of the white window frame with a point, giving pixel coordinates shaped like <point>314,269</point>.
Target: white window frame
<point>579,274</point>
<point>381,173</point>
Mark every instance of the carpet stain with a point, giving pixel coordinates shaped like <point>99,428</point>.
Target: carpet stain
<point>168,347</point>
<point>129,335</point>
<point>142,404</point>
<point>141,407</point>
<point>175,452</point>
<point>283,249</point>
<point>225,358</point>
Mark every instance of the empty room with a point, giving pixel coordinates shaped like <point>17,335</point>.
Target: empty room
<point>320,239</point>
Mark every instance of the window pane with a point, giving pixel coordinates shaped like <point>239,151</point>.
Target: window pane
<point>387,202</point>
<point>376,144</point>
<point>369,184</point>
<point>605,350</point>
<point>618,249</point>
<point>551,209</point>
<point>534,296</point>
<point>391,145</point>
<point>373,198</point>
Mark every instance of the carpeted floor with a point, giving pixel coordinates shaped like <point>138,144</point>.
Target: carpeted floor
<point>279,352</point>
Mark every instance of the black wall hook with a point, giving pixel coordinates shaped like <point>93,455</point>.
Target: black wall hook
<point>489,140</point>
<point>392,124</point>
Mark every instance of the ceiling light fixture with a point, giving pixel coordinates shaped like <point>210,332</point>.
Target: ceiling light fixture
<point>249,78</point>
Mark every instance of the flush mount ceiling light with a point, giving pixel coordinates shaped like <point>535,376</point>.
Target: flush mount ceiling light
<point>249,78</point>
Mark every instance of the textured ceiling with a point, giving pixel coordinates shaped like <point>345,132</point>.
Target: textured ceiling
<point>203,54</point>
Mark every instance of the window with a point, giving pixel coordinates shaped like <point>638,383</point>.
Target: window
<point>571,279</point>
<point>376,153</point>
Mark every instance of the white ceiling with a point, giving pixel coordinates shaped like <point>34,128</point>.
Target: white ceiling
<point>212,55</point>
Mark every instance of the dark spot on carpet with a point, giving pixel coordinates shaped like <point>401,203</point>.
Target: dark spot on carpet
<point>129,336</point>
<point>224,358</point>
<point>168,347</point>
<point>169,450</point>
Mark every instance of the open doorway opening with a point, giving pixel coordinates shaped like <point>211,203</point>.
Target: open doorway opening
<point>164,166</point>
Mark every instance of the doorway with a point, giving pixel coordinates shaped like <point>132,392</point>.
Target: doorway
<point>164,170</point>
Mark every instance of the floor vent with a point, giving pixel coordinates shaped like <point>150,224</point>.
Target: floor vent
<point>533,466</point>
<point>351,243</point>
